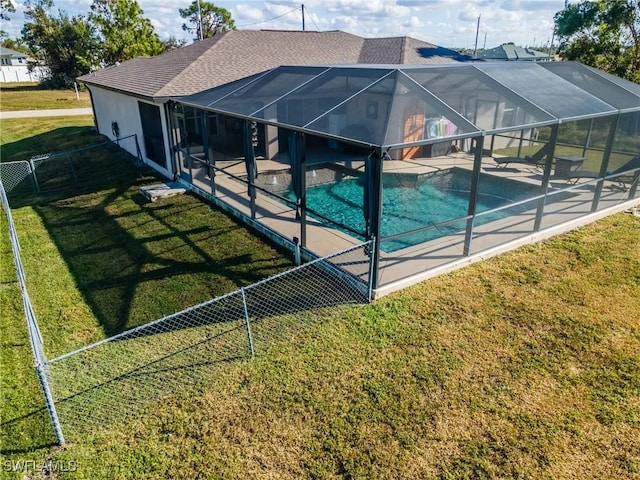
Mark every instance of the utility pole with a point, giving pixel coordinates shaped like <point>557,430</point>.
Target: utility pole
<point>475,48</point>
<point>303,17</point>
<point>199,22</point>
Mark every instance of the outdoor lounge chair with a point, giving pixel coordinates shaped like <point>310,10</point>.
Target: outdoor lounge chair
<point>536,159</point>
<point>632,164</point>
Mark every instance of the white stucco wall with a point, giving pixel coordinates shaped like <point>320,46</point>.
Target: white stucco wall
<point>111,107</point>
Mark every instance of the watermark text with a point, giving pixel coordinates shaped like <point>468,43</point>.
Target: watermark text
<point>46,466</point>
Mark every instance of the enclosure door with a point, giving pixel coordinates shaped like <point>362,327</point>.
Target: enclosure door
<point>413,131</point>
<point>182,154</point>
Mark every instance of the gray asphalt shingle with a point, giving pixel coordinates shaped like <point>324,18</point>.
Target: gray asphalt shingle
<point>239,53</point>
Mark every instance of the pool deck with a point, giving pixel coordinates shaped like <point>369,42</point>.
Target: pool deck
<point>410,265</point>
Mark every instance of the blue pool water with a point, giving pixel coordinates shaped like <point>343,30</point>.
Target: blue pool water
<point>428,201</point>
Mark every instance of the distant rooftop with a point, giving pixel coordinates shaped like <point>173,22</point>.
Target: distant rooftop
<point>511,52</point>
<point>8,52</point>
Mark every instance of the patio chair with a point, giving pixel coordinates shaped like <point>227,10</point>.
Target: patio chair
<point>536,159</point>
<point>622,180</point>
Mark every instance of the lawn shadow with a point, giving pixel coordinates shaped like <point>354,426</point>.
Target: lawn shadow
<point>20,87</point>
<point>26,433</point>
<point>160,364</point>
<point>135,261</point>
<point>133,264</point>
<point>58,139</point>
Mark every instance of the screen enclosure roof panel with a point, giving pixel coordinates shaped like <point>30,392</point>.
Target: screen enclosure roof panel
<point>391,105</point>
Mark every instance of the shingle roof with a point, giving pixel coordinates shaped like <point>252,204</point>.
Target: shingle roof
<point>13,53</point>
<point>382,50</point>
<point>146,76</point>
<point>239,53</point>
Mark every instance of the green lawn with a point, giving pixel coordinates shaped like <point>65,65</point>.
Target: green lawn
<point>592,162</point>
<point>523,366</point>
<point>100,259</point>
<point>44,135</point>
<point>30,96</point>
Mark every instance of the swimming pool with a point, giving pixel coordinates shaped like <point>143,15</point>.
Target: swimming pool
<point>412,202</point>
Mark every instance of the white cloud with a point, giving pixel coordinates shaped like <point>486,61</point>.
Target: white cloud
<point>532,5</point>
<point>450,23</point>
<point>244,13</point>
<point>344,23</point>
<point>467,16</point>
<point>414,22</point>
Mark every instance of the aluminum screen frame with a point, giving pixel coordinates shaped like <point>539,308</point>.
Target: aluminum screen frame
<point>305,98</point>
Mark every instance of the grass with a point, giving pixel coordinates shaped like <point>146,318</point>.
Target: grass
<point>592,158</point>
<point>44,135</point>
<point>111,261</point>
<point>30,96</point>
<point>131,261</point>
<point>523,366</point>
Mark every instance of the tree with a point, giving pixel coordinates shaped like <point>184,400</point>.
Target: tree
<point>14,44</point>
<point>214,19</point>
<point>602,33</point>
<point>172,43</point>
<point>66,47</point>
<point>125,32</point>
<point>6,7</point>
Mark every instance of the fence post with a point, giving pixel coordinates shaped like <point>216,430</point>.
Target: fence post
<point>372,246</point>
<point>296,251</point>
<point>51,407</point>
<point>246,319</point>
<point>34,177</point>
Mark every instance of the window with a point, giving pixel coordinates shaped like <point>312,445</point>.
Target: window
<point>152,132</point>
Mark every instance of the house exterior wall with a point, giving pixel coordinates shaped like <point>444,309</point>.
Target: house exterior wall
<point>109,107</point>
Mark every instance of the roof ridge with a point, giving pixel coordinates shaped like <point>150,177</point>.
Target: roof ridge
<point>295,31</point>
<point>214,42</point>
<point>235,54</point>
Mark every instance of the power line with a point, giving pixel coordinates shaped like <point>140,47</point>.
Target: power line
<point>270,19</point>
<point>311,17</point>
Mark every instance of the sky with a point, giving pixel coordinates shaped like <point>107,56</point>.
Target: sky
<point>448,23</point>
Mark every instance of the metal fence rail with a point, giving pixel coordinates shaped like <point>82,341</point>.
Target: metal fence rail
<point>118,378</point>
<point>35,337</point>
<point>56,170</point>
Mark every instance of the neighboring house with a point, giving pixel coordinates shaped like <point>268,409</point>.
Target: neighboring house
<point>14,67</point>
<point>133,97</point>
<point>511,53</point>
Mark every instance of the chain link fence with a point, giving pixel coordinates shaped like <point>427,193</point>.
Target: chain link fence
<point>118,378</point>
<point>176,356</point>
<point>50,172</point>
<point>35,337</point>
